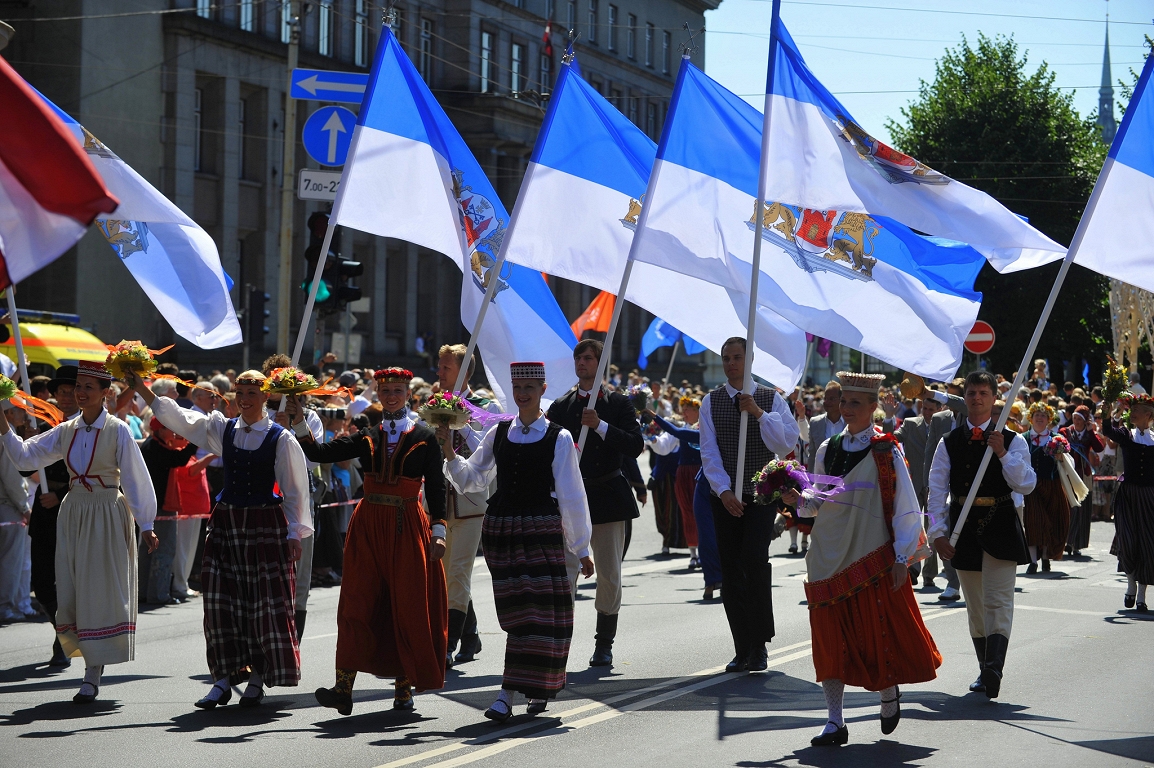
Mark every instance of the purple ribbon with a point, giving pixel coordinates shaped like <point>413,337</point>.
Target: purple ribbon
<point>837,486</point>
<point>485,418</point>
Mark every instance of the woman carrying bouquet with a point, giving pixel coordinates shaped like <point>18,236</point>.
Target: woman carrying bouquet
<point>1047,509</point>
<point>393,615</point>
<point>1134,498</point>
<point>866,627</point>
<point>248,570</point>
<point>538,511</point>
<point>96,568</point>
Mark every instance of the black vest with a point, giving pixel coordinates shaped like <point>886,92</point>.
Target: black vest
<point>524,474</point>
<point>840,462</point>
<point>727,425</point>
<point>996,529</point>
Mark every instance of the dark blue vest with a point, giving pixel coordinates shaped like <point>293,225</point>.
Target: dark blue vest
<point>249,476</point>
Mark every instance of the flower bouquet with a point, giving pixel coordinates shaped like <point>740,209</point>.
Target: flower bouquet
<point>132,356</point>
<point>34,406</point>
<point>445,408</point>
<point>641,397</point>
<point>1114,381</point>
<point>1057,447</point>
<point>288,381</point>
<point>775,478</point>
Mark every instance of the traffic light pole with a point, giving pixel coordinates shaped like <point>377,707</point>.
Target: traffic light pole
<point>288,182</point>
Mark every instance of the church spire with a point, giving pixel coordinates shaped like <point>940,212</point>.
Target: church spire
<point>1106,120</point>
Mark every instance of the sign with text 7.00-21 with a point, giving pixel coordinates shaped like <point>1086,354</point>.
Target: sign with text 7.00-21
<point>318,185</point>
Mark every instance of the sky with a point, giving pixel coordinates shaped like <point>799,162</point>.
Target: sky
<point>873,55</point>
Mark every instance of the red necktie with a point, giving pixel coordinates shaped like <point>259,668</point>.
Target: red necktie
<point>977,434</point>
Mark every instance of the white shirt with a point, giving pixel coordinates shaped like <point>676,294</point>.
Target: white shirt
<point>779,433</point>
<point>1016,468</point>
<point>359,404</point>
<point>207,431</point>
<point>664,443</point>
<point>907,520</point>
<point>46,448</point>
<point>475,473</point>
<point>201,452</point>
<point>1142,436</point>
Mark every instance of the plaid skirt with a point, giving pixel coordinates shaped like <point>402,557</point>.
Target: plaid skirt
<point>247,582</point>
<point>526,556</point>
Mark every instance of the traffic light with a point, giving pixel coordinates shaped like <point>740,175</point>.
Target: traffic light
<point>257,314</point>
<point>345,271</point>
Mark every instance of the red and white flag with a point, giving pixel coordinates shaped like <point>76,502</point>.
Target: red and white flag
<point>49,190</point>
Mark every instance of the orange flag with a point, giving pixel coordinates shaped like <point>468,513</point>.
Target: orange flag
<point>596,316</point>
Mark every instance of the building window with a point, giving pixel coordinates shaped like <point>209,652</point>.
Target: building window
<point>240,171</point>
<point>633,108</point>
<point>615,98</point>
<point>651,119</point>
<point>286,21</point>
<point>425,60</point>
<point>649,45</point>
<point>546,72</point>
<point>204,9</point>
<point>517,70</point>
<point>361,36</point>
<point>611,41</point>
<point>486,62</point>
<point>631,37</point>
<point>197,129</point>
<point>246,15</point>
<point>550,9</point>
<point>592,34</point>
<point>666,51</point>
<point>519,3</point>
<point>325,28</point>
<point>571,17</point>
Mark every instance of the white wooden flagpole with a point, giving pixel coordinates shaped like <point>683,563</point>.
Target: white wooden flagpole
<point>672,357</point>
<point>23,366</point>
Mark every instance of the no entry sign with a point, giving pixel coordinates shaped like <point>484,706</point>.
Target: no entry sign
<point>981,338</point>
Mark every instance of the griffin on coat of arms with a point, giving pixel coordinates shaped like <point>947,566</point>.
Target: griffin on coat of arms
<point>896,167</point>
<point>125,237</point>
<point>820,240</point>
<point>484,232</point>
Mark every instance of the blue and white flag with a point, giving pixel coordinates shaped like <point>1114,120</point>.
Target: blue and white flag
<point>1122,205</point>
<point>661,334</point>
<point>577,212</point>
<point>410,176</point>
<point>819,157</point>
<point>171,257</point>
<point>864,281</point>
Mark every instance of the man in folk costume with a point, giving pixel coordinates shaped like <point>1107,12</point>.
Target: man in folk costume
<point>96,568</point>
<point>537,517</point>
<point>392,617</point>
<point>254,540</point>
<point>992,543</point>
<point>464,513</point>
<point>866,626</point>
<point>614,436</point>
<point>744,528</point>
<point>45,508</point>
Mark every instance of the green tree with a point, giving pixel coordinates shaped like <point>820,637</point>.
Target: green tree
<point>987,121</point>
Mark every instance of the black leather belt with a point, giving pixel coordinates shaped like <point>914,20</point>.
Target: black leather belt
<point>594,481</point>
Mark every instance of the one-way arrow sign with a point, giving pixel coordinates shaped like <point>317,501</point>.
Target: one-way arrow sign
<point>321,85</point>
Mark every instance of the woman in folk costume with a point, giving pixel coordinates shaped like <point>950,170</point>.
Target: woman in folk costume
<point>538,511</point>
<point>248,570</point>
<point>1085,446</point>
<point>866,627</point>
<point>96,568</point>
<point>1134,498</point>
<point>1047,508</point>
<point>393,615</point>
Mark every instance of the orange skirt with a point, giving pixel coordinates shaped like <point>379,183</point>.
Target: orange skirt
<point>874,638</point>
<point>392,619</point>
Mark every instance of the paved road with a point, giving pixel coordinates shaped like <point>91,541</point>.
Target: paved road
<point>1078,691</point>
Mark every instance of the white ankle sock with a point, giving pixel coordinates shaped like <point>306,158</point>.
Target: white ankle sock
<point>693,551</point>
<point>218,689</point>
<point>254,685</point>
<point>503,703</point>
<point>793,537</point>
<point>834,692</point>
<point>1033,553</point>
<point>92,674</point>
<point>889,701</point>
<point>1141,593</point>
<point>805,539</point>
<point>1131,584</point>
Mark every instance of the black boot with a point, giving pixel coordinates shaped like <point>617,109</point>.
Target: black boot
<point>980,649</point>
<point>470,638</point>
<point>58,660</point>
<point>299,619</point>
<point>456,627</point>
<point>996,647</point>
<point>606,631</point>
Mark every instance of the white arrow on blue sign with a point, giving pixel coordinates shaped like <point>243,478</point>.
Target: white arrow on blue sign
<point>327,134</point>
<point>322,85</point>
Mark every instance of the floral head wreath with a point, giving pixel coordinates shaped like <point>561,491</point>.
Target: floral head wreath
<point>394,375</point>
<point>689,402</point>
<point>1040,407</point>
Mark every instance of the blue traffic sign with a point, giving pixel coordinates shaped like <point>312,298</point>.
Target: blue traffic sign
<point>322,85</point>
<point>327,134</point>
